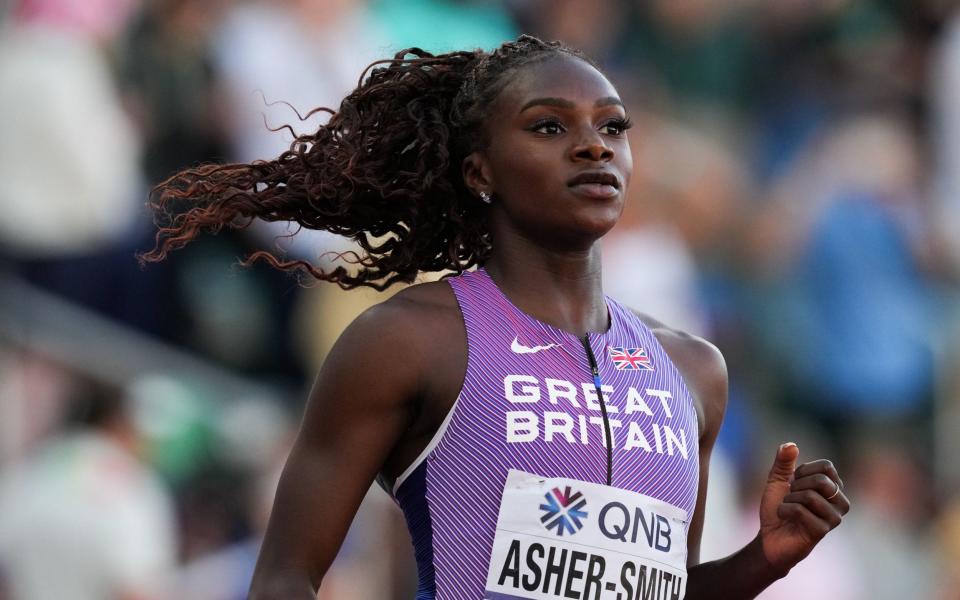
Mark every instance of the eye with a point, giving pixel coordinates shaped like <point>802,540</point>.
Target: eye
<point>616,126</point>
<point>547,127</point>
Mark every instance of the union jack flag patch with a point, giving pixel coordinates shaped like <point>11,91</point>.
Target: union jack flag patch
<point>630,359</point>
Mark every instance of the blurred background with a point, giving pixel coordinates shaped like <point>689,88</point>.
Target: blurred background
<point>796,199</point>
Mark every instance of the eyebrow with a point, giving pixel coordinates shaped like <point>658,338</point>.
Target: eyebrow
<point>564,103</point>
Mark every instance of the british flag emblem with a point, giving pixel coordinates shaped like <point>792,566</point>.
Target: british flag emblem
<point>630,359</point>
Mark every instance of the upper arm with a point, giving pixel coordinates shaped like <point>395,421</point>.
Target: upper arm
<point>704,372</point>
<point>706,376</point>
<point>357,411</point>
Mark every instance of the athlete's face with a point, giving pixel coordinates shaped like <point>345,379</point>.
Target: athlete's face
<point>557,161</point>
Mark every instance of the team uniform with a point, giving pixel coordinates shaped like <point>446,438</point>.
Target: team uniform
<point>519,495</point>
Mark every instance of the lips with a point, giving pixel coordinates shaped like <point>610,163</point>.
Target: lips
<point>595,184</point>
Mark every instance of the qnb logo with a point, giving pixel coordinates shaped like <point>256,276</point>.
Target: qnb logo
<point>563,511</point>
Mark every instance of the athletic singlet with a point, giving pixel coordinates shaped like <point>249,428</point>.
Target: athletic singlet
<point>529,403</point>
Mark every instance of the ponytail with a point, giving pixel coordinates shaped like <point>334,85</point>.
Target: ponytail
<point>384,171</point>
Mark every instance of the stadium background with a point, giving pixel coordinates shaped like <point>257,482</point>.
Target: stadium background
<point>796,199</point>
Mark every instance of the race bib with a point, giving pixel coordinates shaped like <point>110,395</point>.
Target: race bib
<point>564,538</point>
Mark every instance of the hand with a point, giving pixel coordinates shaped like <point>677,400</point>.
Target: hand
<point>799,506</point>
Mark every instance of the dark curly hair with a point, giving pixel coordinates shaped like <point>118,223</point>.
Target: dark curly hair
<point>385,171</point>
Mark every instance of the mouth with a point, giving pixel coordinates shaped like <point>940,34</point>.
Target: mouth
<point>595,184</point>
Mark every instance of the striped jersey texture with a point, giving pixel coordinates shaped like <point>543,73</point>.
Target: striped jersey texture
<point>528,402</point>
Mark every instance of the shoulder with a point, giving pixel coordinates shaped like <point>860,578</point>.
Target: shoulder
<point>417,311</point>
<point>406,355</point>
<point>407,334</point>
<point>702,366</point>
<point>393,355</point>
<point>408,318</point>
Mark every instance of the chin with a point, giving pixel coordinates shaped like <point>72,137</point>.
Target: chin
<point>598,223</point>
<point>585,232</point>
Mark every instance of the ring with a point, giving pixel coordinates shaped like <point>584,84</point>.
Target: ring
<point>836,492</point>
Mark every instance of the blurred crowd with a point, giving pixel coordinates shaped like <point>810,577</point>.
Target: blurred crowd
<point>795,199</point>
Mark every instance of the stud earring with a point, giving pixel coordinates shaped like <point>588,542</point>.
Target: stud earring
<point>487,199</point>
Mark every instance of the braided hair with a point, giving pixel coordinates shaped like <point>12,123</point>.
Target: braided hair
<point>385,171</point>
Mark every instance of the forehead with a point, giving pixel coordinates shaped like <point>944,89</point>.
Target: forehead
<point>561,76</point>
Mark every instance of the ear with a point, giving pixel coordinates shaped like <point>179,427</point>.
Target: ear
<point>476,173</point>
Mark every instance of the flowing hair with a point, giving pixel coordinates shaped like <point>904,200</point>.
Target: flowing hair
<point>384,171</point>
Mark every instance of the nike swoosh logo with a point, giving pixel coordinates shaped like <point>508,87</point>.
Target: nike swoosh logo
<point>519,348</point>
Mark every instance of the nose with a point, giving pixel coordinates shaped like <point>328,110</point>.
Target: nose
<point>591,147</point>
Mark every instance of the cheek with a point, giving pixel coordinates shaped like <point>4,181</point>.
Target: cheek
<point>526,167</point>
<point>625,163</point>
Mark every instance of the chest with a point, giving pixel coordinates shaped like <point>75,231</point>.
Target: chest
<point>583,398</point>
<point>597,409</point>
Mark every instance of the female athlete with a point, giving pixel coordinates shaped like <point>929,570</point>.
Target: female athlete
<point>542,440</point>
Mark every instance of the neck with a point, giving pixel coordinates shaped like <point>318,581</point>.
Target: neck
<point>560,287</point>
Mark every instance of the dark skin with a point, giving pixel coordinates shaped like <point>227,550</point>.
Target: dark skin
<point>555,120</point>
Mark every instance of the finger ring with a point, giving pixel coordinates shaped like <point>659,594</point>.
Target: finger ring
<point>836,492</point>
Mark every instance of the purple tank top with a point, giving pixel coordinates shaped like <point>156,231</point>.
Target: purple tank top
<point>529,402</point>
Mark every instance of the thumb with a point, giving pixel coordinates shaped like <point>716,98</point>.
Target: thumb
<point>785,463</point>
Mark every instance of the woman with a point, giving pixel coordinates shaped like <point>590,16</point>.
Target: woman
<point>484,403</point>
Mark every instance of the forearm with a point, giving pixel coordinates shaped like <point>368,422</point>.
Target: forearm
<point>740,576</point>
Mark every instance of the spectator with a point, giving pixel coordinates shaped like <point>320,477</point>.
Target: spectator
<point>82,517</point>
<point>67,184</point>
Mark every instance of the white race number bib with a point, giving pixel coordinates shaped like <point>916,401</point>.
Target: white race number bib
<point>564,538</point>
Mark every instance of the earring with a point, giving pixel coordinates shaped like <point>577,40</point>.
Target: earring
<point>487,199</point>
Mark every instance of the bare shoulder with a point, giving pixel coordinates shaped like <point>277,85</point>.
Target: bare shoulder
<point>398,351</point>
<point>702,366</point>
<point>414,348</point>
<point>415,338</point>
<point>411,315</point>
<point>433,295</point>
<point>695,356</point>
